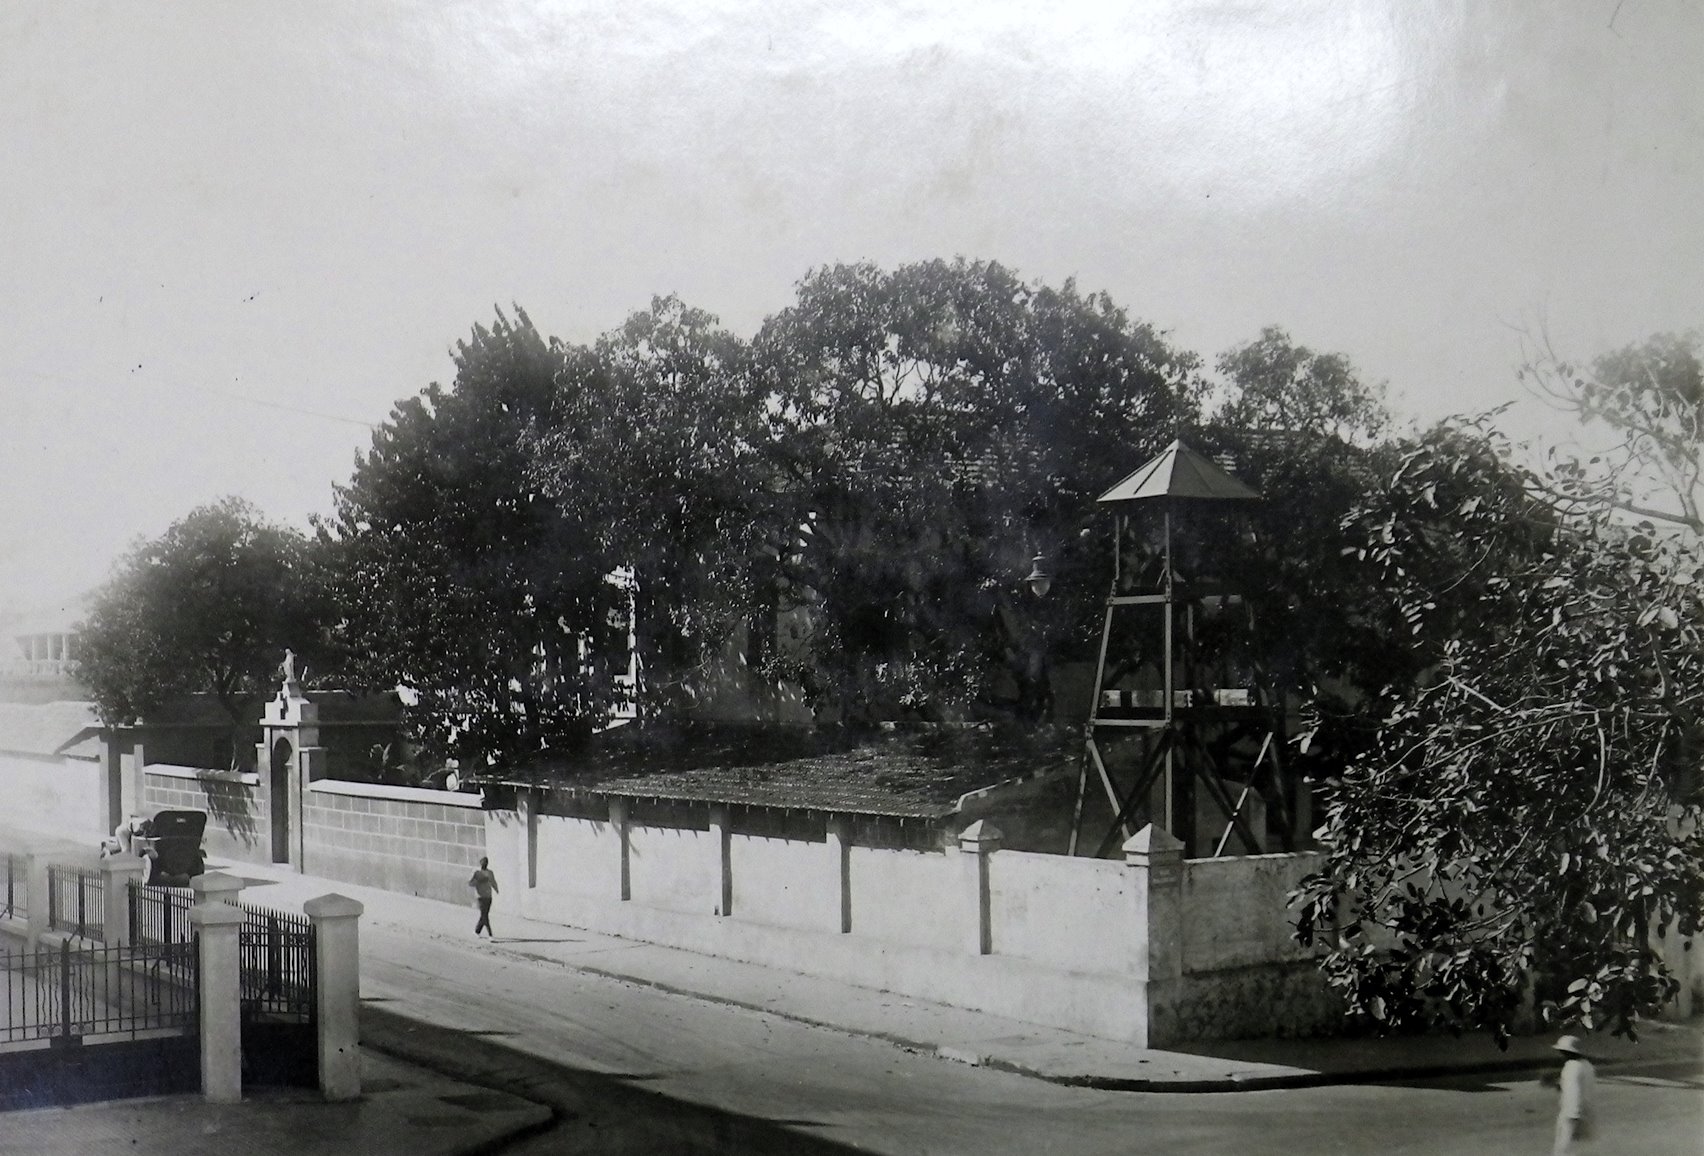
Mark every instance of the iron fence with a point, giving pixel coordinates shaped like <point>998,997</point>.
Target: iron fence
<point>17,887</point>
<point>64,994</point>
<point>159,915</point>
<point>76,901</point>
<point>276,970</point>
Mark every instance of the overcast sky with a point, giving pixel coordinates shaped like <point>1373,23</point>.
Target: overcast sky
<point>233,234</point>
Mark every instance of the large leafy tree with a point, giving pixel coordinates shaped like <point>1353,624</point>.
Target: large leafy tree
<point>1525,816</point>
<point>459,580</point>
<point>1309,434</point>
<point>934,427</point>
<point>653,446</point>
<point>209,607</point>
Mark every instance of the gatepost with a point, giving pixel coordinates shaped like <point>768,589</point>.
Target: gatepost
<point>216,887</point>
<point>35,898</point>
<point>221,1019</point>
<point>337,963</point>
<point>1155,859</point>
<point>118,872</point>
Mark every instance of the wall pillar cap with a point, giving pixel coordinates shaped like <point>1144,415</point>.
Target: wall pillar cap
<point>1152,842</point>
<point>123,864</point>
<point>980,837</point>
<point>216,915</point>
<point>332,906</point>
<point>215,886</point>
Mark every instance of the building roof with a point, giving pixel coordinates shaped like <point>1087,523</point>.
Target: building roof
<point>920,774</point>
<point>48,729</point>
<point>1180,472</point>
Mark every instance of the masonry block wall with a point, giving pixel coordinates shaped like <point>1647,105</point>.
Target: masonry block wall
<point>237,823</point>
<point>403,839</point>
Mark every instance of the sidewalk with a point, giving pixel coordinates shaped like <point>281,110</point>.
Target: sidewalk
<point>1051,1054</point>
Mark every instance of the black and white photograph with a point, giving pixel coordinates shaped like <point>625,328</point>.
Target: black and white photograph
<point>913,577</point>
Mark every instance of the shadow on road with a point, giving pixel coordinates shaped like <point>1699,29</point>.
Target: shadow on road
<point>594,1112</point>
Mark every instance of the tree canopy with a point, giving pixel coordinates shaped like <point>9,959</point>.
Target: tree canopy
<point>1526,807</point>
<point>1650,396</point>
<point>935,427</point>
<point>458,579</point>
<point>208,607</point>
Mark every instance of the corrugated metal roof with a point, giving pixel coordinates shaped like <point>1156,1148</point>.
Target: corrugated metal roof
<point>1180,472</point>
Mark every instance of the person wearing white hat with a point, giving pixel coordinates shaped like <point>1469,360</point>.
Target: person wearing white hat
<point>1579,1087</point>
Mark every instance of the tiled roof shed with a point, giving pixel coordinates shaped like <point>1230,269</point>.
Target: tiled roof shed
<point>902,775</point>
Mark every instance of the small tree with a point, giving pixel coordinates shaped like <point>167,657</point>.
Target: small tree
<point>1527,808</point>
<point>208,607</point>
<point>1650,397</point>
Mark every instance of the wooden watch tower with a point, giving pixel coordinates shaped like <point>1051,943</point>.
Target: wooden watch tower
<point>1186,729</point>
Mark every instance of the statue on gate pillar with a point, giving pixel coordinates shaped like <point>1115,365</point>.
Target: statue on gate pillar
<point>292,688</point>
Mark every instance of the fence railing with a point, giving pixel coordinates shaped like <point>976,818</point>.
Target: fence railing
<point>76,901</point>
<point>17,903</point>
<point>276,971</point>
<point>159,915</point>
<point>63,994</point>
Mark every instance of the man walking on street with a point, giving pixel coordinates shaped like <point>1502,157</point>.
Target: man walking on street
<point>484,884</point>
<point>1574,1125</point>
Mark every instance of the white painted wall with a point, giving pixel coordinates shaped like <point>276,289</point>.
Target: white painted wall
<point>1078,914</point>
<point>914,898</point>
<point>576,857</point>
<point>785,882</point>
<point>1235,913</point>
<point>675,870</point>
<point>54,794</point>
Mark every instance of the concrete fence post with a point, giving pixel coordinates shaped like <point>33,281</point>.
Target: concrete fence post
<point>977,843</point>
<point>221,1002</point>
<point>337,965</point>
<point>35,898</point>
<point>1155,859</point>
<point>216,887</point>
<point>618,820</point>
<point>840,859</point>
<point>117,873</point>
<point>721,835</point>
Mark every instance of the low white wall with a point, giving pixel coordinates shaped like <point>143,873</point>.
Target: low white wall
<point>1236,911</point>
<point>1111,1006</point>
<point>53,793</point>
<point>675,870</point>
<point>785,882</point>
<point>576,857</point>
<point>1077,914</point>
<point>909,898</point>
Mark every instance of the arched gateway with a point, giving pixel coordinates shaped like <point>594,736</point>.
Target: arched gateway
<point>290,750</point>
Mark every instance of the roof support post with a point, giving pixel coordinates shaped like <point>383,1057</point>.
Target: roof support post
<point>618,820</point>
<point>724,858</point>
<point>840,856</point>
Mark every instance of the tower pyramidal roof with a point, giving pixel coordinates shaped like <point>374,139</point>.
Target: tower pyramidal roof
<point>1180,472</point>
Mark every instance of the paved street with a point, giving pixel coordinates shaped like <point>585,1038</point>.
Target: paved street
<point>871,1096</point>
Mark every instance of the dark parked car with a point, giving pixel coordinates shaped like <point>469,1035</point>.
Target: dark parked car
<point>171,842</point>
